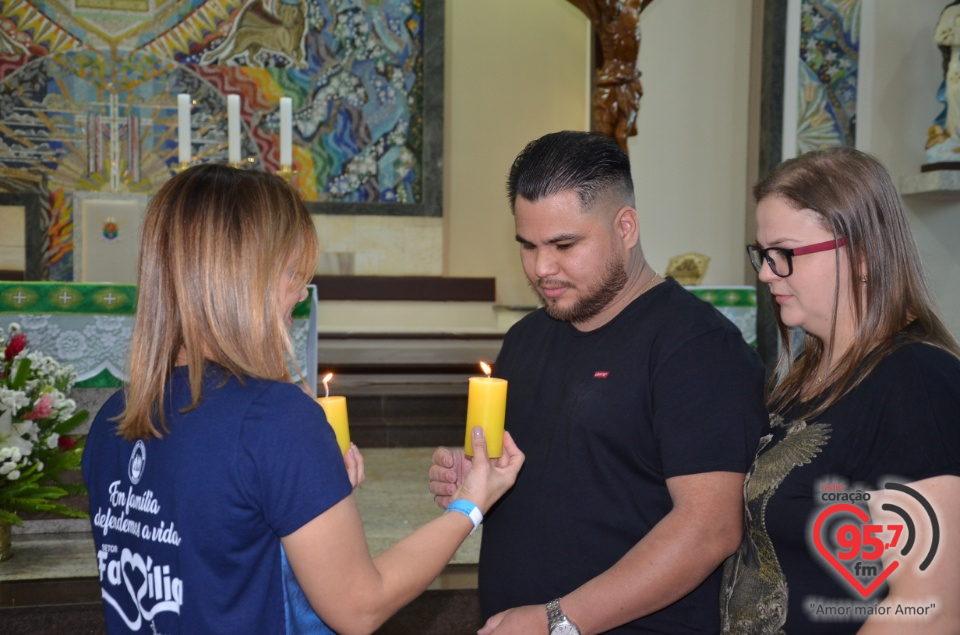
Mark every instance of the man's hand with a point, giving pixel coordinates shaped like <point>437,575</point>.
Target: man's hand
<point>450,467</point>
<point>519,621</point>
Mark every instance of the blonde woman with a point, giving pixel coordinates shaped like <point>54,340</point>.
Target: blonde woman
<point>219,499</point>
<point>872,399</point>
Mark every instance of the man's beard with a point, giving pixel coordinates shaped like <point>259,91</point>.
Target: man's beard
<point>594,299</point>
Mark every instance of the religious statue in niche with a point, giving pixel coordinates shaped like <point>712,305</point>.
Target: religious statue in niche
<point>943,139</point>
<point>617,89</point>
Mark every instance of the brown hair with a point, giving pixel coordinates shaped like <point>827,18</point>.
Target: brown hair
<point>214,245</point>
<point>854,198</point>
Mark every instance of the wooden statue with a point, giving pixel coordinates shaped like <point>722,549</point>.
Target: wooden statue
<point>617,89</point>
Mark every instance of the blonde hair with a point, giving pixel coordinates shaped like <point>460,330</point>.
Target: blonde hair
<point>855,198</point>
<point>214,246</point>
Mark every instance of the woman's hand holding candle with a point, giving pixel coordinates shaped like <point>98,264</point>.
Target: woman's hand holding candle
<point>353,461</point>
<point>486,407</point>
<point>488,479</point>
<point>336,411</point>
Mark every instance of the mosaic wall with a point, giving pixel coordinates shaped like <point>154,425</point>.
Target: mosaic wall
<point>827,90</point>
<point>88,96</point>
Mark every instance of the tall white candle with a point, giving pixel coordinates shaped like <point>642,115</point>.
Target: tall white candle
<point>183,127</point>
<point>233,128</point>
<point>286,131</point>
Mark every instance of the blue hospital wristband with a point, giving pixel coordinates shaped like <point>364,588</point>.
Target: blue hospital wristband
<point>468,509</point>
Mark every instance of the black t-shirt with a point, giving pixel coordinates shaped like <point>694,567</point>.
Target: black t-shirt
<point>901,423</point>
<point>666,388</point>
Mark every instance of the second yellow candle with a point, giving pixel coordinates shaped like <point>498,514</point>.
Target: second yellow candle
<point>486,407</point>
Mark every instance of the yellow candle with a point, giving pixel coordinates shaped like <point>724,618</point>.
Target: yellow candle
<point>486,406</point>
<point>336,411</point>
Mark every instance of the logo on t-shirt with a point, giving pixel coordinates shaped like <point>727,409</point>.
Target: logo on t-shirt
<point>852,543</point>
<point>138,459</point>
<point>601,374</point>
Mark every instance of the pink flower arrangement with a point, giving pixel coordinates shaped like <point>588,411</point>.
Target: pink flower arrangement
<point>36,417</point>
<point>42,409</point>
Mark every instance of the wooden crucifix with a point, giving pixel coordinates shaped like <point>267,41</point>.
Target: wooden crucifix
<point>616,80</point>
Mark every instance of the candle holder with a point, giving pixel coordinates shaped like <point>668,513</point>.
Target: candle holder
<point>236,164</point>
<point>287,173</point>
<point>183,165</point>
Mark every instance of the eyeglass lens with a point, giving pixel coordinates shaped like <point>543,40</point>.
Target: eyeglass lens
<point>778,259</point>
<point>780,262</point>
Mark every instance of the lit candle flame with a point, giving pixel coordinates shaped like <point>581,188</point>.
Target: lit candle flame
<point>485,368</point>
<point>326,380</point>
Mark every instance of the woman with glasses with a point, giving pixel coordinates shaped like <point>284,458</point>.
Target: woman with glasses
<point>863,448</point>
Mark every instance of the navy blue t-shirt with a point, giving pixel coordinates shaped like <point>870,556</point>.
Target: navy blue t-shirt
<point>187,527</point>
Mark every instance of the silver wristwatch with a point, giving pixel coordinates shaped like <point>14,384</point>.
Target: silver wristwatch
<point>557,622</point>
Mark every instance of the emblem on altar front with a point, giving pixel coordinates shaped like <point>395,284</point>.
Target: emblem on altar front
<point>111,229</point>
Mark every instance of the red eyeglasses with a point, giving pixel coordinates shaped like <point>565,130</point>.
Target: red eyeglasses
<point>781,260</point>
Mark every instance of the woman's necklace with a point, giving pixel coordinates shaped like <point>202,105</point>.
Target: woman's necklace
<point>821,375</point>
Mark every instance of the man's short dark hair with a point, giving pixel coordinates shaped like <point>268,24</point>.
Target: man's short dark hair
<point>585,162</point>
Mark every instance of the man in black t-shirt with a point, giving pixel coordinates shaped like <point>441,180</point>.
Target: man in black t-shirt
<point>638,406</point>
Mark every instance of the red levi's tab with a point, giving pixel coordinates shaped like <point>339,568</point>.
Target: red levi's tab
<point>601,374</point>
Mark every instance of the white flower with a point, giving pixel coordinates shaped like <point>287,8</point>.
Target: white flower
<point>4,453</point>
<point>12,435</point>
<point>7,467</point>
<point>52,441</point>
<point>14,475</point>
<point>13,399</point>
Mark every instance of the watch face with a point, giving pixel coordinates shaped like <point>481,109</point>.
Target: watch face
<point>565,628</point>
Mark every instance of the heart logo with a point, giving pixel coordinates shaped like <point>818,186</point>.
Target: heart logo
<point>865,591</point>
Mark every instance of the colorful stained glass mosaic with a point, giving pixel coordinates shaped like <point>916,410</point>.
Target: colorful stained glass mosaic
<point>827,90</point>
<point>88,95</point>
